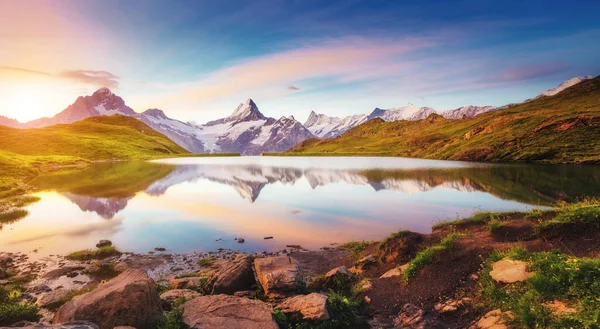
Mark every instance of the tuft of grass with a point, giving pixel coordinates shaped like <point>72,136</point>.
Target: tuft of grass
<point>575,281</point>
<point>427,256</point>
<point>11,310</point>
<point>174,318</point>
<point>206,262</point>
<point>355,246</point>
<point>579,217</point>
<point>393,236</point>
<point>103,272</point>
<point>187,275</point>
<point>495,225</point>
<point>477,219</point>
<point>99,253</point>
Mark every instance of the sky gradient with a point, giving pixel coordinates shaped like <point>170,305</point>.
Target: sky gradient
<point>197,60</point>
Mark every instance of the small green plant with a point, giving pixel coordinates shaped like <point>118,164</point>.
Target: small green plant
<point>174,318</point>
<point>580,217</point>
<point>187,275</point>
<point>476,219</point>
<point>427,256</point>
<point>206,262</point>
<point>99,253</point>
<point>495,225</point>
<point>355,246</point>
<point>11,310</point>
<point>392,237</point>
<point>103,271</point>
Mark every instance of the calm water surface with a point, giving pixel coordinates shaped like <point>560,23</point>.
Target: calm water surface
<point>203,204</point>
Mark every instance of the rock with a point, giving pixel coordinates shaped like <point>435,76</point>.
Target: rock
<point>38,289</point>
<point>3,274</point>
<point>247,293</point>
<point>194,283</point>
<point>493,320</point>
<point>68,325</point>
<point>510,271</point>
<point>124,327</point>
<point>103,243</point>
<point>240,240</point>
<point>396,271</point>
<point>448,306</point>
<point>225,312</point>
<point>340,270</point>
<point>171,296</point>
<point>52,297</point>
<point>234,275</point>
<point>279,276</point>
<point>414,317</point>
<point>311,307</point>
<point>558,307</point>
<point>130,299</point>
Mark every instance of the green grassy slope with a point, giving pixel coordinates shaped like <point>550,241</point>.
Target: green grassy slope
<point>560,129</point>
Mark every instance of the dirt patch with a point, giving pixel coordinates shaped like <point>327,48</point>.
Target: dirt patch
<point>514,231</point>
<point>478,154</point>
<point>400,247</point>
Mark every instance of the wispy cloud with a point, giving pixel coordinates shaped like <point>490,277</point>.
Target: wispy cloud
<point>293,88</point>
<point>532,71</point>
<point>89,77</point>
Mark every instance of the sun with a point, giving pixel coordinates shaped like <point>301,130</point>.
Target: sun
<point>26,102</point>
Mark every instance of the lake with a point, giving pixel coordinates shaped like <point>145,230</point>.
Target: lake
<point>203,204</point>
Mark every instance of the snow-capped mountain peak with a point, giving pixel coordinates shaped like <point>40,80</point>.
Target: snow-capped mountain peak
<point>102,92</point>
<point>565,84</point>
<point>160,114</point>
<point>247,111</point>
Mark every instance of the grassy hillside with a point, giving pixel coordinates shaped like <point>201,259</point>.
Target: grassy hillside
<point>563,128</point>
<point>24,153</point>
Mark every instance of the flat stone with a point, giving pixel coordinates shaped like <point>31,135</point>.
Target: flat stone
<point>225,312</point>
<point>130,299</point>
<point>51,297</point>
<point>494,320</point>
<point>395,272</point>
<point>279,276</point>
<point>340,270</point>
<point>186,283</point>
<point>559,307</point>
<point>305,307</point>
<point>510,271</point>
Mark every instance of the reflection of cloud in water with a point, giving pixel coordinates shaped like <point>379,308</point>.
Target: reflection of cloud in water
<point>105,227</point>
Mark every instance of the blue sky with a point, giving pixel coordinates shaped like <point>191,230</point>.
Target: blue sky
<point>198,59</point>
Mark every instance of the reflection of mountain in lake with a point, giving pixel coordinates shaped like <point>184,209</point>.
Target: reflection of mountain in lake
<point>106,189</point>
<point>105,207</point>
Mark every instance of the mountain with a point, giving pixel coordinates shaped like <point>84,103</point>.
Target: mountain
<point>246,131</point>
<point>408,112</point>
<point>564,128</point>
<point>564,85</point>
<point>467,112</point>
<point>324,126</point>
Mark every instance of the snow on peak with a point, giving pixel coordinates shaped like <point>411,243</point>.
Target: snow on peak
<point>247,111</point>
<point>103,92</point>
<point>155,113</point>
<point>565,84</point>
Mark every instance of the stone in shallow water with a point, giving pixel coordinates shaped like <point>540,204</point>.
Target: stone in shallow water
<point>509,271</point>
<point>225,312</point>
<point>103,243</point>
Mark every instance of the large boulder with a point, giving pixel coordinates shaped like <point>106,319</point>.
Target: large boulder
<point>279,276</point>
<point>312,307</point>
<point>225,312</point>
<point>168,298</point>
<point>232,276</point>
<point>130,299</point>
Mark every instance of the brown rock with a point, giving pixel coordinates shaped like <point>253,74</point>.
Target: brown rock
<point>130,299</point>
<point>340,270</point>
<point>305,307</point>
<point>395,272</point>
<point>234,275</point>
<point>494,320</point>
<point>225,312</point>
<point>171,296</point>
<point>103,243</point>
<point>279,276</point>
<point>124,327</point>
<point>195,283</point>
<point>52,297</point>
<point>413,317</point>
<point>69,325</point>
<point>510,271</point>
<point>558,307</point>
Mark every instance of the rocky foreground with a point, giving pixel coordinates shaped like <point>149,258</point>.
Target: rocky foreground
<point>491,271</point>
